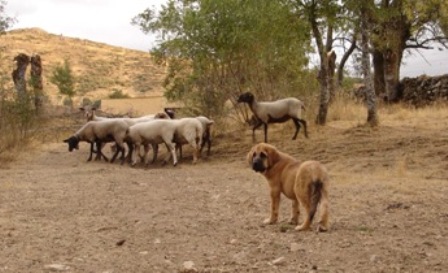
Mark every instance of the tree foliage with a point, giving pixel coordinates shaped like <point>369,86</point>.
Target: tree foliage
<point>5,21</point>
<point>62,76</point>
<point>216,49</point>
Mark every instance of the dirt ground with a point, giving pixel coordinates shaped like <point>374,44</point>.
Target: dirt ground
<point>389,207</point>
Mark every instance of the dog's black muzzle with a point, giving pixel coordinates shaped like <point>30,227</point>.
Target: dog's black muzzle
<point>257,165</point>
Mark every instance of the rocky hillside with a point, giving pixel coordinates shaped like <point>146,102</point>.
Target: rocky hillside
<point>100,69</point>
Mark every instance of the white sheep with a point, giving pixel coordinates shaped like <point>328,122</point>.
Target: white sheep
<point>90,114</point>
<point>206,136</point>
<point>100,132</point>
<point>277,111</point>
<point>186,130</point>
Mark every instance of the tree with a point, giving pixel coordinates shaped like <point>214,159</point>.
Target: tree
<point>321,16</point>
<point>5,21</point>
<point>217,49</point>
<point>397,25</point>
<point>63,78</point>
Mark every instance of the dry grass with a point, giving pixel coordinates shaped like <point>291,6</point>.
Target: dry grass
<point>99,68</point>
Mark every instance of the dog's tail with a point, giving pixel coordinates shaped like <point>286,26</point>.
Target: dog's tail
<point>315,196</point>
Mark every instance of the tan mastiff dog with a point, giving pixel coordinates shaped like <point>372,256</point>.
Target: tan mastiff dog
<point>302,182</point>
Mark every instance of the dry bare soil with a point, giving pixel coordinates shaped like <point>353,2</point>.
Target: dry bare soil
<point>389,206</point>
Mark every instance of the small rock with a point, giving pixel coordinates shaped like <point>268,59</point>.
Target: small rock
<point>121,242</point>
<point>373,258</point>
<point>143,252</point>
<point>157,241</point>
<point>57,267</point>
<point>233,241</point>
<point>188,267</point>
<point>279,261</point>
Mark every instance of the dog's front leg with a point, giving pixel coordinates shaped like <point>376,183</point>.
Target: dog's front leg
<point>275,204</point>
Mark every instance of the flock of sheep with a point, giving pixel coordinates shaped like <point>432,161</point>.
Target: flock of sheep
<point>163,128</point>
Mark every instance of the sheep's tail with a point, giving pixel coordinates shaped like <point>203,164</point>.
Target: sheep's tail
<point>315,196</point>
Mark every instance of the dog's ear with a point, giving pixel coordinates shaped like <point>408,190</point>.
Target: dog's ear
<point>273,156</point>
<point>250,156</point>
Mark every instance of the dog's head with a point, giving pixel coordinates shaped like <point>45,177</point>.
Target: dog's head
<point>73,143</point>
<point>262,157</point>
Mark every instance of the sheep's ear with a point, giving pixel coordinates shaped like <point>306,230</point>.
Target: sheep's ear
<point>66,140</point>
<point>82,108</point>
<point>93,108</point>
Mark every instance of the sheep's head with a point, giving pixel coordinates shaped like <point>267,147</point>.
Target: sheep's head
<point>73,143</point>
<point>88,111</point>
<point>246,97</point>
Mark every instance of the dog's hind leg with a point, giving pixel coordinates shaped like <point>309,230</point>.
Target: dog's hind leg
<point>307,221</point>
<point>295,212</point>
<point>323,207</point>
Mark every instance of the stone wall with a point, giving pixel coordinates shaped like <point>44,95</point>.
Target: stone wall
<point>419,91</point>
<point>424,89</point>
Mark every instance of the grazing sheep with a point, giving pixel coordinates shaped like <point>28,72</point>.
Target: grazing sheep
<point>90,114</point>
<point>154,132</point>
<point>191,131</point>
<point>206,136</point>
<point>185,130</point>
<point>277,111</point>
<point>99,132</point>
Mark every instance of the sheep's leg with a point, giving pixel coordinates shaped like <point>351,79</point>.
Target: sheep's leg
<point>172,148</point>
<point>145,159</point>
<point>134,155</point>
<point>179,148</point>
<point>265,132</point>
<point>155,151</point>
<point>196,150</point>
<point>297,124</point>
<point>98,150</point>
<point>130,151</point>
<point>304,126</point>
<point>145,152</point>
<point>256,126</point>
<point>99,146</point>
<point>118,150</point>
<point>91,152</point>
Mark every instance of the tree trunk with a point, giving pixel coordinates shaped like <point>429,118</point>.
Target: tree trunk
<point>18,74</point>
<point>321,118</point>
<point>36,82</point>
<point>331,59</point>
<point>378,66</point>
<point>372,117</point>
<point>392,61</point>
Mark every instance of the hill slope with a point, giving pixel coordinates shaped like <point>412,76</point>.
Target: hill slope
<point>99,68</point>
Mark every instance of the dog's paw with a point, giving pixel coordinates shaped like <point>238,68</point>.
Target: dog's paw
<point>302,228</point>
<point>321,228</point>
<point>269,221</point>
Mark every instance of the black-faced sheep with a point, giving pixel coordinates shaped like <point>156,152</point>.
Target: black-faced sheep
<point>277,111</point>
<point>100,132</point>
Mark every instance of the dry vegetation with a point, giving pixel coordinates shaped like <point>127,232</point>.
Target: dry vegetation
<point>388,193</point>
<point>388,203</point>
<point>100,69</point>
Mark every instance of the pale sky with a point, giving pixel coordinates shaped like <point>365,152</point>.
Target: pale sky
<point>106,21</point>
<point>109,21</point>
